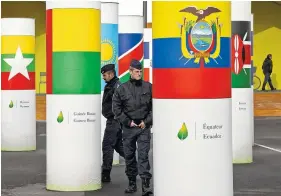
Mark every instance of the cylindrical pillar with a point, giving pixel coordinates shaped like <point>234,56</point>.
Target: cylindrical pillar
<point>252,76</point>
<point>130,43</point>
<point>144,13</point>
<point>109,50</point>
<point>192,99</point>
<point>73,95</point>
<point>147,54</point>
<point>18,121</point>
<point>241,82</point>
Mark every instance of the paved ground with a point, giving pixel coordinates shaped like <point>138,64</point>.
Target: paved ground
<point>23,174</point>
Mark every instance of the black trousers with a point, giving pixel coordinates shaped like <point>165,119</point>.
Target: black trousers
<point>267,78</point>
<point>112,140</point>
<point>142,137</point>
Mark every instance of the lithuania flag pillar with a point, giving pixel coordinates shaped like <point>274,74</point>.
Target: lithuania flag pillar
<point>130,43</point>
<point>192,99</point>
<point>73,96</point>
<point>109,50</point>
<point>18,113</point>
<point>242,115</point>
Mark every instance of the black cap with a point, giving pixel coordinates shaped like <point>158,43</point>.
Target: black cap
<point>108,67</point>
<point>136,64</point>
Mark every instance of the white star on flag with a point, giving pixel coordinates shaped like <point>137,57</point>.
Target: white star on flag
<point>18,64</point>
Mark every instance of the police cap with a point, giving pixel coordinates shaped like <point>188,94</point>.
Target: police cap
<point>108,67</point>
<point>136,64</point>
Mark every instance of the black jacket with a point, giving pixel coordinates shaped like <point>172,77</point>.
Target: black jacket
<point>267,66</point>
<point>107,97</point>
<point>133,101</point>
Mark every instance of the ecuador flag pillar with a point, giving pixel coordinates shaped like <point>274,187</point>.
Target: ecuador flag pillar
<point>130,43</point>
<point>18,113</point>
<point>242,116</point>
<point>192,99</point>
<point>73,96</point>
<point>109,50</point>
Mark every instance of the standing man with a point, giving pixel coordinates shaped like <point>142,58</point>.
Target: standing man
<point>267,70</point>
<point>132,106</point>
<point>112,139</point>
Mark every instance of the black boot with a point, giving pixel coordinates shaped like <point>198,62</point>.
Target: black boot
<point>132,186</point>
<point>105,178</point>
<point>146,189</point>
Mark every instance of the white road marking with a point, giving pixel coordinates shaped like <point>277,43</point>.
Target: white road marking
<point>269,148</point>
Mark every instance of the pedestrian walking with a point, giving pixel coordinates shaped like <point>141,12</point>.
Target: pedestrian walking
<point>132,107</point>
<point>112,139</point>
<point>267,68</point>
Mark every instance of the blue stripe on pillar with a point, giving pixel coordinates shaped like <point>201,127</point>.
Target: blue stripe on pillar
<point>146,50</point>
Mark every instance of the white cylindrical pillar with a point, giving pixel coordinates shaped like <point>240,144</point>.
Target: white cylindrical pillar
<point>147,54</point>
<point>18,113</point>
<point>242,115</point>
<point>130,43</point>
<point>73,95</point>
<point>109,50</point>
<point>252,86</point>
<point>192,99</point>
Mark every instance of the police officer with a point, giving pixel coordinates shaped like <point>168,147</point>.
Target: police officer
<point>112,139</point>
<point>132,106</point>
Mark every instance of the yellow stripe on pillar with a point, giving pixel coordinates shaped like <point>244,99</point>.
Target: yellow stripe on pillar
<point>76,30</point>
<point>10,44</point>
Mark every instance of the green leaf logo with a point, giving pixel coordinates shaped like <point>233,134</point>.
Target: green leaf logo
<point>183,132</point>
<point>60,117</point>
<point>11,105</point>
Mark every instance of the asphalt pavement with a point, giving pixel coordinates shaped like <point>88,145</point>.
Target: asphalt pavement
<point>24,173</point>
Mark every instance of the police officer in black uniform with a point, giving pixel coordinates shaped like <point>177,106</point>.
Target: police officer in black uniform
<point>112,139</point>
<point>132,106</point>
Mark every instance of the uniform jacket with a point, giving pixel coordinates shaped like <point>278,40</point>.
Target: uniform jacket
<point>133,101</point>
<point>107,97</point>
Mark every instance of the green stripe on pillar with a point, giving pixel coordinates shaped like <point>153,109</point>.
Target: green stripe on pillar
<point>242,80</point>
<point>76,73</point>
<point>5,67</point>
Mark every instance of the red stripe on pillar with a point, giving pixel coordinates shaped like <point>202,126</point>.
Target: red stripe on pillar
<point>146,74</point>
<point>49,50</point>
<point>192,83</point>
<point>247,54</point>
<point>18,82</point>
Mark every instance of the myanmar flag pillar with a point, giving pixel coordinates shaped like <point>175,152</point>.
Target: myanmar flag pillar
<point>18,113</point>
<point>192,99</point>
<point>109,50</point>
<point>130,43</point>
<point>73,95</point>
<point>242,100</point>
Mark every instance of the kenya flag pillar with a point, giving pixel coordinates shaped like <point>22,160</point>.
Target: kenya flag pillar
<point>130,43</point>
<point>109,50</point>
<point>73,95</point>
<point>18,121</point>
<point>242,116</point>
<point>192,99</point>
<point>252,79</point>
